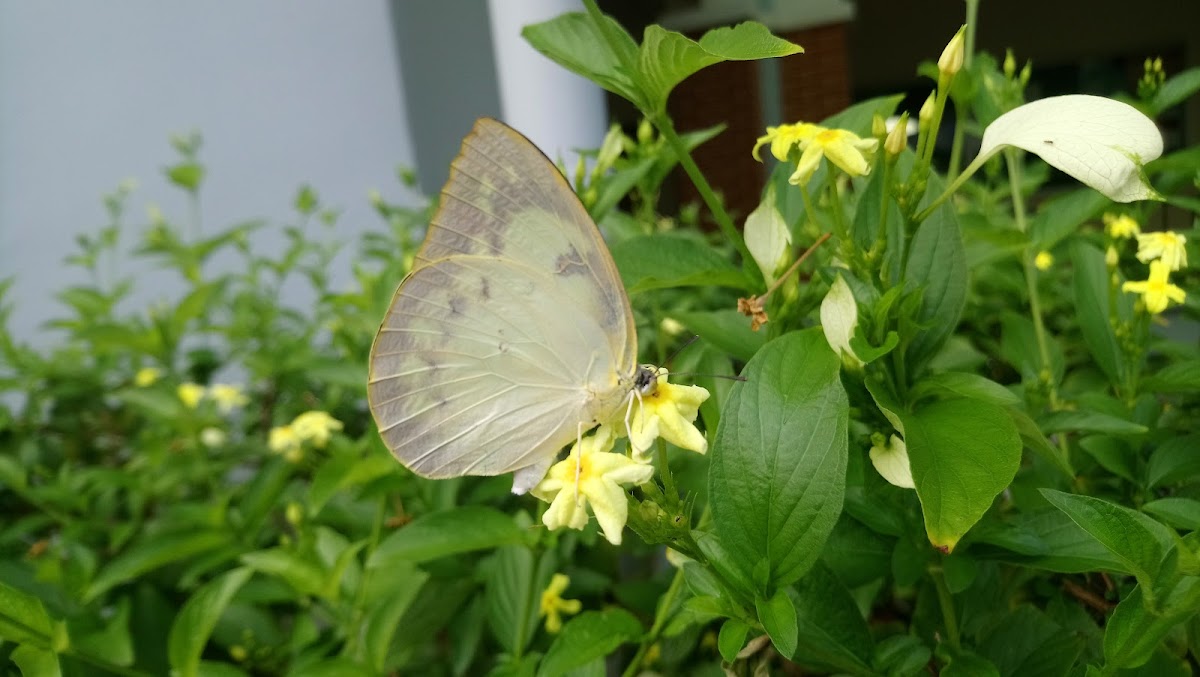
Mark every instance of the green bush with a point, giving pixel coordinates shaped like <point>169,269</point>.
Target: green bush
<point>965,443</point>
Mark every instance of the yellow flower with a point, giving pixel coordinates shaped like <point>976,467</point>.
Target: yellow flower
<point>1121,227</point>
<point>1043,260</point>
<point>227,397</point>
<point>591,474</point>
<point>667,412</point>
<point>1156,291</point>
<point>784,137</point>
<point>553,605</point>
<point>843,148</point>
<point>1111,258</point>
<point>315,427</point>
<point>146,376</point>
<point>283,440</point>
<point>1166,246</point>
<point>190,394</point>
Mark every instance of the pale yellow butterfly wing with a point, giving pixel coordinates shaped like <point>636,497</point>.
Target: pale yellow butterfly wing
<point>513,331</point>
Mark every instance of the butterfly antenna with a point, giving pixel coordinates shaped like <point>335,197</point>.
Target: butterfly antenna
<point>678,350</point>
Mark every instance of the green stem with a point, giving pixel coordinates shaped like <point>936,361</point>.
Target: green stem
<point>960,133</point>
<point>665,605</point>
<point>946,602</point>
<point>955,185</point>
<point>1035,301</point>
<point>724,222</point>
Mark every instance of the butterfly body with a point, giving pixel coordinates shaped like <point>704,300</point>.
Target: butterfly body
<point>512,334</point>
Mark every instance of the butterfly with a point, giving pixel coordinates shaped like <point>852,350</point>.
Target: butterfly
<point>512,334</point>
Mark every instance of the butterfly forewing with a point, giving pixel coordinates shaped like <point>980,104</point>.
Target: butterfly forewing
<point>513,329</point>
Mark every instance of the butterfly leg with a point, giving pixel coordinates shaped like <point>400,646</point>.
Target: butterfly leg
<point>578,460</point>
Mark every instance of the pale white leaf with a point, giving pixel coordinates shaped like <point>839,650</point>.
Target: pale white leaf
<point>767,236</point>
<point>839,317</point>
<point>891,461</point>
<point>1101,142</point>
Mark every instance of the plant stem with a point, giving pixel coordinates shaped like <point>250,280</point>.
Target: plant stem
<point>946,602</point>
<point>660,618</point>
<point>1035,301</point>
<point>796,264</point>
<point>955,185</point>
<point>724,222</point>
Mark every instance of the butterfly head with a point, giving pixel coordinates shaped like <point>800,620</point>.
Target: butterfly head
<point>645,379</point>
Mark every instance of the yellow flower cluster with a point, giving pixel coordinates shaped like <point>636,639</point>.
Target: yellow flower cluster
<point>1164,251</point>
<point>845,149</point>
<point>593,474</point>
<point>226,397</point>
<point>315,427</point>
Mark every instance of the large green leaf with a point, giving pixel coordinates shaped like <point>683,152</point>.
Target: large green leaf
<point>23,618</point>
<point>832,633</point>
<point>447,532</point>
<point>588,636</point>
<point>1092,308</point>
<point>514,589</point>
<point>573,42</point>
<point>1058,218</point>
<point>778,469</point>
<point>195,622</point>
<point>1136,629</point>
<point>937,266</point>
<point>659,261</point>
<point>666,58</point>
<point>1127,534</point>
<point>1028,643</point>
<point>387,606</point>
<point>152,553</point>
<point>962,453</point>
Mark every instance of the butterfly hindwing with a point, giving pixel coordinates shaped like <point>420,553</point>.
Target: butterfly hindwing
<point>512,331</point>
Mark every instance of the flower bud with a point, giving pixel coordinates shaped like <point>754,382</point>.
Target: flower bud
<point>897,139</point>
<point>1010,64</point>
<point>926,114</point>
<point>952,57</point>
<point>878,126</point>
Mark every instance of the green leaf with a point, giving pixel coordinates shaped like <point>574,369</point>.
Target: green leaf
<point>937,266</point>
<point>588,636</point>
<point>154,402</point>
<point>1033,438</point>
<point>1058,218</point>
<point>901,655</point>
<point>963,453</point>
<point>1028,643</point>
<point>23,619</point>
<point>747,41</point>
<point>386,609</point>
<point>964,663</point>
<point>1046,539</point>
<point>832,632</point>
<point>960,384</point>
<point>340,473</point>
<point>1123,532</point>
<point>152,553</point>
<point>186,175</point>
<point>1181,513</point>
<point>778,468</point>
<point>732,638</point>
<point>778,618</point>
<point>1136,629</point>
<point>445,533</point>
<point>306,575</point>
<point>514,590</point>
<point>662,261</point>
<point>666,58</point>
<point>35,661</point>
<point>1092,307</point>
<point>1174,461</point>
<point>1175,90</point>
<point>727,330</point>
<point>194,624</point>
<point>573,42</point>
<point>1178,377</point>
<point>1088,421</point>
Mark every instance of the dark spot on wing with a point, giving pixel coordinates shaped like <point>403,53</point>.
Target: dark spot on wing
<point>503,346</point>
<point>457,304</point>
<point>484,290</point>
<point>570,263</point>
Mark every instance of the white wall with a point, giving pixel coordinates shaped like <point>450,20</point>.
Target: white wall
<point>285,92</point>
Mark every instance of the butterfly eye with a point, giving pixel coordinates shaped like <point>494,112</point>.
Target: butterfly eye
<point>645,380</point>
